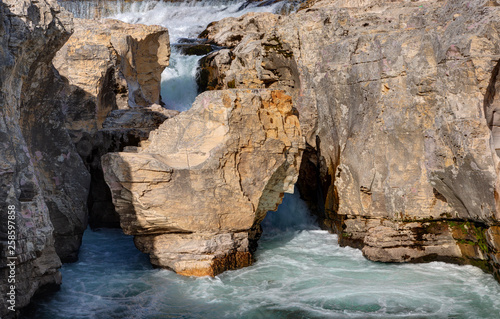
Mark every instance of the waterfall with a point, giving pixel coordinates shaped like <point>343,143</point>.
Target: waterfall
<point>184,19</point>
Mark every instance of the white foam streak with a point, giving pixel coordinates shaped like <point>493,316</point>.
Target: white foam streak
<point>184,20</point>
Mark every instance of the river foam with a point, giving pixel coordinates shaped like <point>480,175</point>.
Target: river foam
<point>300,272</point>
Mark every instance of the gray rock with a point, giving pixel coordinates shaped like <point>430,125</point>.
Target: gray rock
<point>30,35</point>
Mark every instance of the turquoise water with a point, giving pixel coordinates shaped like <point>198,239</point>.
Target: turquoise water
<point>300,272</point>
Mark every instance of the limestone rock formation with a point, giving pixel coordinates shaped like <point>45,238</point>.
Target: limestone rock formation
<point>110,65</point>
<point>229,32</point>
<point>398,106</point>
<point>195,193</point>
<point>121,129</point>
<point>41,177</point>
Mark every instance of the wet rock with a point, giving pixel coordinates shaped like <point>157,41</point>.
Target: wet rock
<point>188,46</point>
<point>195,193</point>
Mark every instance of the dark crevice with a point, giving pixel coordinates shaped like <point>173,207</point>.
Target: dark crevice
<point>491,108</point>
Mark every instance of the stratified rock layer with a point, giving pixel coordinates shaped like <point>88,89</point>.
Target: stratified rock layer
<point>110,65</point>
<point>41,179</point>
<point>122,129</point>
<point>398,105</point>
<point>195,193</point>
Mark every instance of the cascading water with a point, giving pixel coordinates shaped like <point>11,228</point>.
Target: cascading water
<point>300,272</point>
<point>186,20</point>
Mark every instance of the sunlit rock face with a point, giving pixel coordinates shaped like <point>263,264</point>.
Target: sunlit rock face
<point>398,106</point>
<point>109,65</point>
<point>42,180</point>
<point>195,193</point>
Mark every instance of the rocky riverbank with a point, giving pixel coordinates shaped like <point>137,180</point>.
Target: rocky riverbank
<point>397,104</point>
<point>383,112</point>
<point>56,127</point>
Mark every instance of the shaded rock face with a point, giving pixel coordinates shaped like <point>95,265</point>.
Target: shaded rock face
<point>398,104</point>
<point>41,179</point>
<point>61,173</point>
<point>122,129</point>
<point>110,65</point>
<point>196,191</point>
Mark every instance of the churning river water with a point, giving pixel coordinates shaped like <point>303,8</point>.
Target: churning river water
<point>300,271</point>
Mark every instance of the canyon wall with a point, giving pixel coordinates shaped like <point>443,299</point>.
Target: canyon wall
<point>110,65</point>
<point>397,102</point>
<point>52,117</point>
<point>40,186</point>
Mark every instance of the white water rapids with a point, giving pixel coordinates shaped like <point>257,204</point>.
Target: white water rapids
<point>300,271</point>
<point>185,20</point>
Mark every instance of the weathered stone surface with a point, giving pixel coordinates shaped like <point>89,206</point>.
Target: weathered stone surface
<point>229,32</point>
<point>30,34</point>
<point>398,100</point>
<point>61,173</point>
<point>206,178</point>
<point>121,129</point>
<point>110,65</point>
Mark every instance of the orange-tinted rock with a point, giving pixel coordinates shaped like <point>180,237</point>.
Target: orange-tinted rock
<point>194,193</point>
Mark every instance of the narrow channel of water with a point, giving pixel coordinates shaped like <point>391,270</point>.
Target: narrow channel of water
<point>300,272</point>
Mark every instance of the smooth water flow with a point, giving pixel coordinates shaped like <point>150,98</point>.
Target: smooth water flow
<point>300,272</point>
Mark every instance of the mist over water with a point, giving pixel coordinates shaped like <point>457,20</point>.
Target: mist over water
<point>300,272</point>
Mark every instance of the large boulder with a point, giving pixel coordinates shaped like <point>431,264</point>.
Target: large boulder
<point>195,193</point>
<point>42,182</point>
<point>122,129</point>
<point>398,106</point>
<point>110,65</point>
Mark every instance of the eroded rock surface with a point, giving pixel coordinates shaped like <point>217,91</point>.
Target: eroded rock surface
<point>110,65</point>
<point>122,129</point>
<point>195,193</point>
<point>398,106</point>
<point>41,179</point>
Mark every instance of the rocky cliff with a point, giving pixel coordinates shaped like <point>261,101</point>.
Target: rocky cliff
<point>42,181</point>
<point>51,117</point>
<point>110,65</point>
<point>195,192</point>
<point>397,101</point>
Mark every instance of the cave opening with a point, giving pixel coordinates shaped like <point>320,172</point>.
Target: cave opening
<point>293,214</point>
